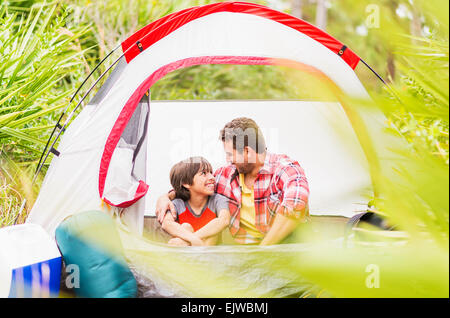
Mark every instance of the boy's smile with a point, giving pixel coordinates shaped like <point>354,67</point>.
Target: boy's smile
<point>203,183</point>
<point>210,185</point>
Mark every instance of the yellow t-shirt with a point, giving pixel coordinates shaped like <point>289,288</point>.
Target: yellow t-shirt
<point>247,217</point>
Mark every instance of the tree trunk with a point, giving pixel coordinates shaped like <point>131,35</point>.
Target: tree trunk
<point>297,8</point>
<point>321,14</point>
<point>391,67</point>
<point>416,25</point>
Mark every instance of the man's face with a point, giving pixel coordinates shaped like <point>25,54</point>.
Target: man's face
<point>239,160</point>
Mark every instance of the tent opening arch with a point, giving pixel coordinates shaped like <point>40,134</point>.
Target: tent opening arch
<point>128,110</point>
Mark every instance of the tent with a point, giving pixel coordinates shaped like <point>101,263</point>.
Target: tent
<point>102,157</point>
<point>107,158</point>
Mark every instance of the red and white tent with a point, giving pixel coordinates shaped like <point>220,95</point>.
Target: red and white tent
<point>103,155</point>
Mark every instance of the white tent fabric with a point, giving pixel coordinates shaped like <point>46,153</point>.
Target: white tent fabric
<point>73,182</point>
<point>316,134</point>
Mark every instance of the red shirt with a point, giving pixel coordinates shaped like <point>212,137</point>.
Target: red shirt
<point>210,211</point>
<point>196,221</point>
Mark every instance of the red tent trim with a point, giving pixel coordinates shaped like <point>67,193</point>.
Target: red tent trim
<point>159,29</point>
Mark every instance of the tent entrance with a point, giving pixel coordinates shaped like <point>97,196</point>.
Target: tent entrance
<point>221,33</point>
<point>318,135</point>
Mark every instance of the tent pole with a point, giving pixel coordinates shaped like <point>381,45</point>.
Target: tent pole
<point>67,107</point>
<point>92,72</point>
<point>41,164</point>
<point>391,90</point>
<point>381,79</point>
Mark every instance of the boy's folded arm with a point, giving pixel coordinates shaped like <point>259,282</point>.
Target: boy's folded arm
<point>215,226</point>
<point>175,229</point>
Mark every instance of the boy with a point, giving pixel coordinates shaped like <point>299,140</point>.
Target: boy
<point>201,214</point>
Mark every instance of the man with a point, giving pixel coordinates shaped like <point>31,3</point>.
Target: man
<point>268,193</point>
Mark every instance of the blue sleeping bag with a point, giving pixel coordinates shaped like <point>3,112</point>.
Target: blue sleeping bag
<point>89,241</point>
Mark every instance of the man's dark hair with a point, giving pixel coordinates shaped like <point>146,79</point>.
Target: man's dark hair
<point>183,173</point>
<point>244,132</point>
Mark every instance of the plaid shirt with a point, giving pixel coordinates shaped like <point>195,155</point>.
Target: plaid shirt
<point>280,187</point>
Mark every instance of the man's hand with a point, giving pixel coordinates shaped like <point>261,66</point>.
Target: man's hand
<point>162,205</point>
<point>282,226</point>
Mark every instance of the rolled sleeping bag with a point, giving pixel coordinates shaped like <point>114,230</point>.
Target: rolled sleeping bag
<point>91,249</point>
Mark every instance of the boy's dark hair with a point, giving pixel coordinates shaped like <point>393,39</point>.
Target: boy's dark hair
<point>183,173</point>
<point>244,132</point>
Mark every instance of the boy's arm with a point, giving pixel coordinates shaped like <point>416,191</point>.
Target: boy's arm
<point>215,226</point>
<point>175,229</point>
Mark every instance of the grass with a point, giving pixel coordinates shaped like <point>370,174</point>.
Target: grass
<point>10,200</point>
<point>17,192</point>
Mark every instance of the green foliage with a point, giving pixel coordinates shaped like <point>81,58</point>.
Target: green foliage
<point>413,183</point>
<point>423,115</point>
<point>224,82</point>
<point>15,187</point>
<point>40,63</point>
<point>10,199</point>
<point>383,270</point>
<point>114,20</point>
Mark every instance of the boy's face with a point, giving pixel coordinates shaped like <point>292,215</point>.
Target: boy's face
<point>202,184</point>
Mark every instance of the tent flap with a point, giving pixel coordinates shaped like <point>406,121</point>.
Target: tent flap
<point>122,188</point>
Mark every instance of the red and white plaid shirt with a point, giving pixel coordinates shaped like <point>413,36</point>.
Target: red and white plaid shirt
<point>280,187</point>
